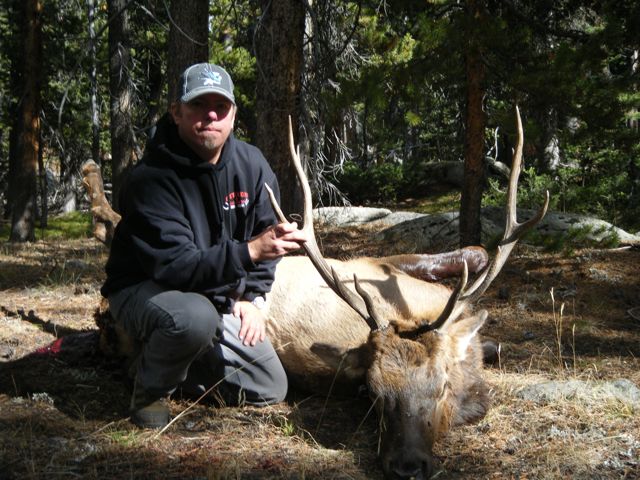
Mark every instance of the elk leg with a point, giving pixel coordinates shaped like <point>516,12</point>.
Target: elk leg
<point>436,267</point>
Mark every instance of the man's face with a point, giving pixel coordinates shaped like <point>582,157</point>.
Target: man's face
<point>205,123</point>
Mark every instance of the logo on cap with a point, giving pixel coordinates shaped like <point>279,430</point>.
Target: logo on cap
<point>204,78</point>
<point>210,77</point>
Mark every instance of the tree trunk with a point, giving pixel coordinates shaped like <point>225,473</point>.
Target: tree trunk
<point>279,53</point>
<point>44,187</point>
<point>93,82</point>
<point>475,122</point>
<point>121,92</point>
<point>24,182</point>
<point>188,40</point>
<point>156,82</point>
<point>16,85</point>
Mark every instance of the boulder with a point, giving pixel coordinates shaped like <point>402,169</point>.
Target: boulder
<point>584,392</point>
<point>348,216</point>
<point>433,232</point>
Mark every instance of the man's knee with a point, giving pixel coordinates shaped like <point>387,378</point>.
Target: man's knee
<point>271,384</point>
<point>264,381</point>
<point>188,317</point>
<point>267,388</point>
<point>277,389</point>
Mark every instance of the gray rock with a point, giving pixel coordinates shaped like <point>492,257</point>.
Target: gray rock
<point>347,216</point>
<point>394,218</point>
<point>583,392</point>
<point>438,231</point>
<point>557,223</point>
<point>429,232</point>
<point>76,264</point>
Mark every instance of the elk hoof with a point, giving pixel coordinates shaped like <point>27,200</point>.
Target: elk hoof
<point>490,351</point>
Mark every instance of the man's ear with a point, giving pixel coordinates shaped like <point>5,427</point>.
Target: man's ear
<point>174,110</point>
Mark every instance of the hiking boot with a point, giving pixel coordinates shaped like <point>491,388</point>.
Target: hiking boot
<point>147,410</point>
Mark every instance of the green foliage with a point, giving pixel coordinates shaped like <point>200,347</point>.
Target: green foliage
<point>578,237</point>
<point>377,183</point>
<point>232,23</point>
<point>596,184</point>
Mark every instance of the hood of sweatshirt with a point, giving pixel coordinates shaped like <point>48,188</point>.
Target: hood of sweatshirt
<point>170,150</point>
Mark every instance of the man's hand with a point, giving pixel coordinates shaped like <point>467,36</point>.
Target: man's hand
<point>276,241</point>
<point>252,323</point>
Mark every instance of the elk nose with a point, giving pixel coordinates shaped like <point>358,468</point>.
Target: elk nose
<point>411,470</point>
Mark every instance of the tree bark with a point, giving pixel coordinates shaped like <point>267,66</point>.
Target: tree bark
<point>188,40</point>
<point>15,15</point>
<point>475,122</point>
<point>279,53</point>
<point>121,92</point>
<point>24,182</point>
<point>93,82</point>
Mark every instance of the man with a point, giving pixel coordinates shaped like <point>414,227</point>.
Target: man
<point>194,255</point>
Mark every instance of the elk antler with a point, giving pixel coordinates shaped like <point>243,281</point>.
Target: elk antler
<point>513,231</point>
<point>328,274</point>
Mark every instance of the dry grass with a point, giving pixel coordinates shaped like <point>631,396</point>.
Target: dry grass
<point>61,416</point>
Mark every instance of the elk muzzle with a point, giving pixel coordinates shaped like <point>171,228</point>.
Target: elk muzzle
<point>408,433</point>
<point>406,456</point>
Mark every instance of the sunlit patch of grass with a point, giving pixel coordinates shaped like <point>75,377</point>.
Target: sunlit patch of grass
<point>69,226</point>
<point>62,227</point>
<point>439,203</point>
<point>126,438</point>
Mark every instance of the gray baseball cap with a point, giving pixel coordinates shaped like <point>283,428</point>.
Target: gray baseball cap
<point>203,78</point>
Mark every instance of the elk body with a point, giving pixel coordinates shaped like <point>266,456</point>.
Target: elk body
<point>421,386</point>
<point>378,322</point>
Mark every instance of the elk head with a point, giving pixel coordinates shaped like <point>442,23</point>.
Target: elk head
<point>429,379</point>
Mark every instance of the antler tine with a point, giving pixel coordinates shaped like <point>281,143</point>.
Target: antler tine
<point>313,251</point>
<point>453,300</point>
<point>512,233</point>
<point>446,313</point>
<point>307,213</point>
<point>374,321</point>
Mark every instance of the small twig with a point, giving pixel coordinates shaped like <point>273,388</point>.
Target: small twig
<point>373,404</point>
<point>634,313</point>
<point>209,390</point>
<point>326,400</point>
<point>15,386</point>
<point>104,427</point>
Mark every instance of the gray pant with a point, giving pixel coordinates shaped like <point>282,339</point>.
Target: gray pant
<point>186,343</point>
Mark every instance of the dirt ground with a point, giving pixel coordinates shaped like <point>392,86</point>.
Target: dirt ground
<point>63,406</point>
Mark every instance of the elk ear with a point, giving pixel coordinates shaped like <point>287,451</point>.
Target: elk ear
<point>464,331</point>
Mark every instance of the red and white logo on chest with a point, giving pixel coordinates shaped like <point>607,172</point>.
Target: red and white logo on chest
<point>235,200</point>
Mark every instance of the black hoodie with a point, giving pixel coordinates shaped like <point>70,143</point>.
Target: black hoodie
<point>185,222</point>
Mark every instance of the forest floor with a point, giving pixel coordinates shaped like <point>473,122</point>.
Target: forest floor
<point>63,406</point>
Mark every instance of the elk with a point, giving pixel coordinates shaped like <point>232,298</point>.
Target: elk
<point>379,322</point>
